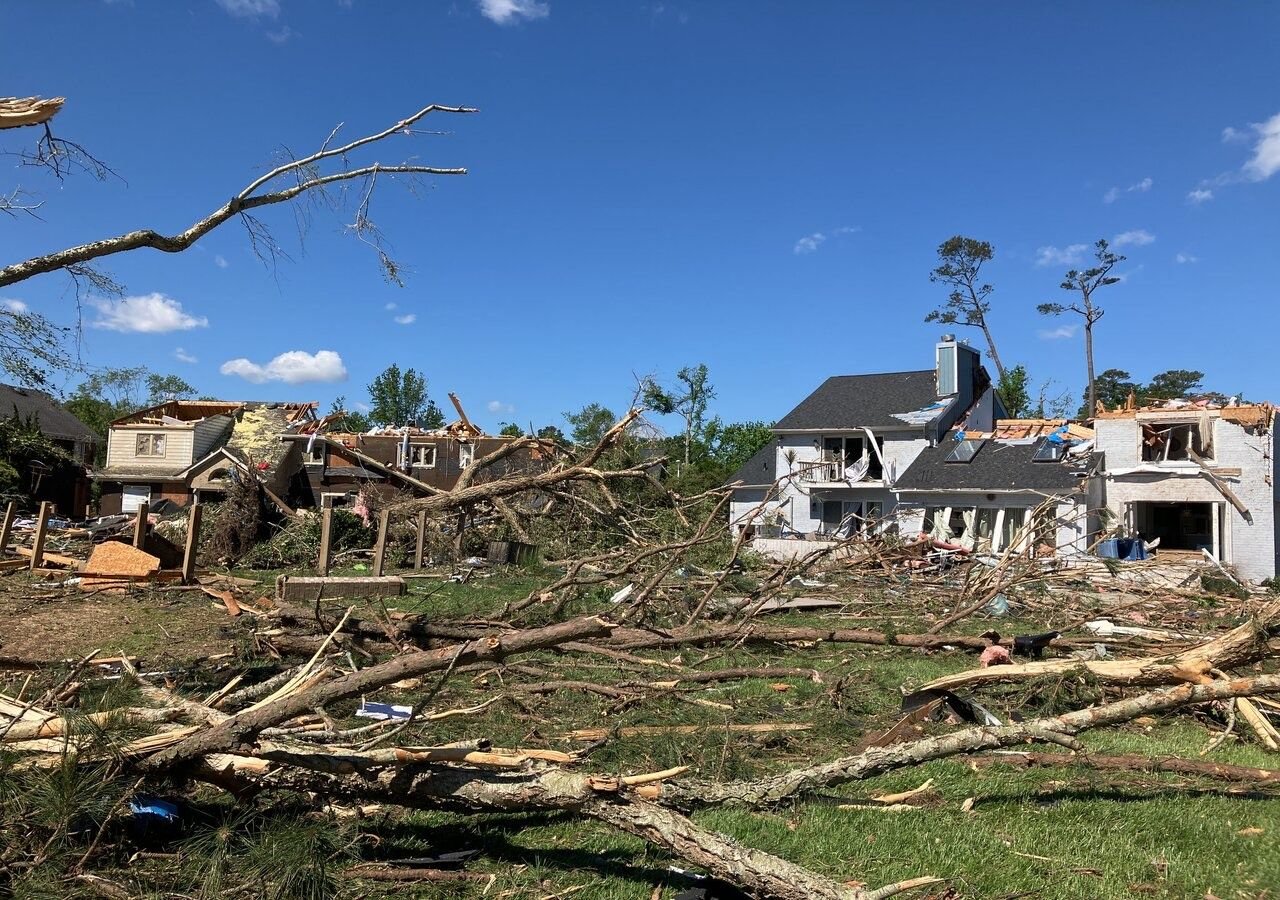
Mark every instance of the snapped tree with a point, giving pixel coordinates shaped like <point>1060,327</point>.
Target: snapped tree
<point>1085,284</point>
<point>960,261</point>
<point>689,402</point>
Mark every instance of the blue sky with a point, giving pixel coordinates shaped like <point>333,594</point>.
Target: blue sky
<point>760,186</point>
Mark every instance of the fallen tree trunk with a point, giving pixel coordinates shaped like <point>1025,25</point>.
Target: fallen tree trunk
<point>761,874</point>
<point>1131,762</point>
<point>1244,644</point>
<point>878,760</point>
<point>240,729</point>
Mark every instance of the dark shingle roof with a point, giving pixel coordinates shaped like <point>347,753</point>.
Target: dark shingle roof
<point>55,422</point>
<point>760,470</point>
<point>851,401</point>
<point>997,467</point>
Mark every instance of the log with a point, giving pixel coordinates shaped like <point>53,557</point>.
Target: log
<point>878,760</point>
<point>1239,646</point>
<point>1131,762</point>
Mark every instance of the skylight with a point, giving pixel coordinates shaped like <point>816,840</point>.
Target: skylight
<point>1049,451</point>
<point>964,451</point>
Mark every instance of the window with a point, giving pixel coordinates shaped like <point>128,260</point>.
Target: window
<point>422,456</point>
<point>1177,441</point>
<point>846,456</point>
<point>149,445</point>
<point>334,500</point>
<point>466,453</point>
<point>314,454</point>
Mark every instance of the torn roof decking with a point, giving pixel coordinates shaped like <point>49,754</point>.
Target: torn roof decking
<point>177,413</point>
<point>1249,415</point>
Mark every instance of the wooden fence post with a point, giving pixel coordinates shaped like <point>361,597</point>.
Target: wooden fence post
<point>380,549</point>
<point>193,540</point>
<point>140,525</point>
<point>326,538</point>
<point>6,526</point>
<point>42,528</point>
<point>421,545</point>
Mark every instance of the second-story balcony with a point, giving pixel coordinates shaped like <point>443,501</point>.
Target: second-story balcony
<point>829,469</point>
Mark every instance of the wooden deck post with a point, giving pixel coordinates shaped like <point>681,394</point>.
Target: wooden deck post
<point>326,538</point>
<point>140,525</point>
<point>380,549</point>
<point>6,525</point>
<point>42,528</point>
<point>421,545</point>
<point>193,541</point>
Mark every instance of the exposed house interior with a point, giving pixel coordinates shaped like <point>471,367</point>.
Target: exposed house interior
<point>1179,525</point>
<point>1177,441</point>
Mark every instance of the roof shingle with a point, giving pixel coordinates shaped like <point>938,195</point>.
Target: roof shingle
<point>854,401</point>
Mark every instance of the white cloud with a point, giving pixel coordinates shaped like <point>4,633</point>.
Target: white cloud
<point>389,306</point>
<point>220,261</point>
<point>1061,333</point>
<point>406,319</point>
<point>1199,195</point>
<point>809,243</point>
<point>251,9</point>
<point>291,367</point>
<point>1139,237</point>
<point>281,35</point>
<point>1183,258</point>
<point>1233,135</point>
<point>183,356</point>
<point>509,12</point>
<point>146,314</point>
<point>1266,152</point>
<point>15,306</point>
<point>1140,187</point>
<point>497,406</point>
<point>1060,256</point>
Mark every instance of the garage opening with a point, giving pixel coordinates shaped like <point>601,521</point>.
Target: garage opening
<point>1179,526</point>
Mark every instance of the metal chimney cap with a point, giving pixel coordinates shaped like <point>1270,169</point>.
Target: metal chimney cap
<point>948,337</point>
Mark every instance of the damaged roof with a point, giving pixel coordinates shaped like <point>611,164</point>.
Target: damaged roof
<point>853,401</point>
<point>998,466</point>
<point>55,422</point>
<point>761,470</point>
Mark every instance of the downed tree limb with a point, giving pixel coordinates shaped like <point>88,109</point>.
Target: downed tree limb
<point>1239,646</point>
<point>241,729</point>
<point>878,760</point>
<point>459,789</point>
<point>1131,762</point>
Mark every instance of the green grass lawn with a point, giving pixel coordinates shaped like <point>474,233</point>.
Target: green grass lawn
<point>1045,833</point>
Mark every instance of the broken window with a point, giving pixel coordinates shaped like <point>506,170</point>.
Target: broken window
<point>149,445</point>
<point>315,453</point>
<point>1049,451</point>
<point>850,455</point>
<point>1011,527</point>
<point>1177,441</point>
<point>466,454</point>
<point>422,455</point>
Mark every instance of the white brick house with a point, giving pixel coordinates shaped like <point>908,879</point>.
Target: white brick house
<point>1226,503</point>
<point>832,464</point>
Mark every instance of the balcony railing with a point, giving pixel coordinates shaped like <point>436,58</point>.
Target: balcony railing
<point>834,470</point>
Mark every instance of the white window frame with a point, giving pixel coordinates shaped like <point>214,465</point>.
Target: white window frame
<point>466,455</point>
<point>415,449</point>
<point>149,439</point>
<point>327,498</point>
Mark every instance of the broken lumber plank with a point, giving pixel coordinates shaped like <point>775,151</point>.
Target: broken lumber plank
<point>6,524</point>
<point>193,541</point>
<point>140,525</point>
<point>380,549</point>
<point>42,529</point>
<point>56,558</point>
<point>311,588</point>
<point>326,541</point>
<point>420,544</point>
